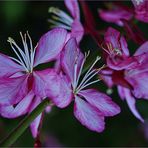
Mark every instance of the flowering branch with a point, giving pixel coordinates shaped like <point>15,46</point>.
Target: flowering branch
<point>16,133</point>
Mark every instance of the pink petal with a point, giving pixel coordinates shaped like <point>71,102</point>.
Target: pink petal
<point>77,30</point>
<point>139,83</point>
<point>46,83</point>
<point>8,67</point>
<point>112,36</point>
<point>73,7</point>
<point>13,90</point>
<point>106,76</point>
<point>69,57</point>
<point>50,45</point>
<point>132,104</point>
<point>142,49</point>
<point>65,94</point>
<point>35,124</point>
<point>101,101</point>
<point>121,92</point>
<point>118,63</point>
<point>115,16</point>
<point>20,109</point>
<point>88,115</point>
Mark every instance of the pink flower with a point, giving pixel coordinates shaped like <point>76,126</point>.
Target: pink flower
<point>128,73</point>
<point>90,105</point>
<point>141,10</point>
<point>22,87</point>
<point>71,23</point>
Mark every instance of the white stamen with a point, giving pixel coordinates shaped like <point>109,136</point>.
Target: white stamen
<point>60,18</point>
<point>26,57</point>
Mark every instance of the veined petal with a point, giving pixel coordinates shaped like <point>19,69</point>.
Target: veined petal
<point>13,90</point>
<point>46,83</point>
<point>50,45</point>
<point>20,109</point>
<point>88,115</point>
<point>73,8</point>
<point>71,56</point>
<point>65,94</point>
<point>8,67</point>
<point>132,104</point>
<point>101,101</point>
<point>35,124</point>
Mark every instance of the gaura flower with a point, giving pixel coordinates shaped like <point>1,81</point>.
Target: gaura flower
<point>129,73</point>
<point>71,23</point>
<point>22,87</point>
<point>90,105</point>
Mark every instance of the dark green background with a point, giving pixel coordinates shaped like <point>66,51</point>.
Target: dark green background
<point>60,128</point>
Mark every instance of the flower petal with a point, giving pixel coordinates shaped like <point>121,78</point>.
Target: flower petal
<point>20,109</point>
<point>65,95</point>
<point>50,45</point>
<point>139,83</point>
<point>73,8</point>
<point>71,56</point>
<point>132,104</point>
<point>88,115</point>
<point>115,16</point>
<point>13,90</point>
<point>77,30</point>
<point>46,83</point>
<point>35,124</point>
<point>142,49</point>
<point>8,67</point>
<point>101,101</point>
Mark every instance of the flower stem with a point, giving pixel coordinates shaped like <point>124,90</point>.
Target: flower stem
<point>22,126</point>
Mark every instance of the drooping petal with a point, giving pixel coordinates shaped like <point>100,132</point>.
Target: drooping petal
<point>123,44</point>
<point>73,7</point>
<point>70,57</point>
<point>88,115</point>
<point>35,124</point>
<point>13,90</point>
<point>121,92</point>
<point>8,67</point>
<point>132,104</point>
<point>50,45</point>
<point>101,101</point>
<point>65,94</point>
<point>20,109</point>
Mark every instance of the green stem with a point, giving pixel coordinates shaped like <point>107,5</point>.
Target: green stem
<point>16,132</point>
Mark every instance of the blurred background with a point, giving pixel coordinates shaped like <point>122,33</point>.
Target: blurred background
<point>60,128</point>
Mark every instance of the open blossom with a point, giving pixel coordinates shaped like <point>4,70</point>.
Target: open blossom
<point>22,87</point>
<point>129,73</point>
<point>71,23</point>
<point>90,105</point>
